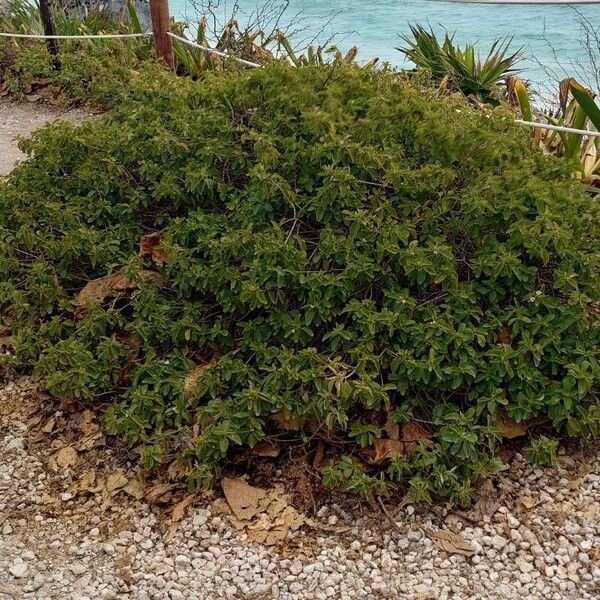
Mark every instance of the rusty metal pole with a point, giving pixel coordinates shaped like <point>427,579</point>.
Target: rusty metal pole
<point>48,23</point>
<point>159,13</point>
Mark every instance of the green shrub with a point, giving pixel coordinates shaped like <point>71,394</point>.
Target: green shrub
<point>542,451</point>
<point>333,249</point>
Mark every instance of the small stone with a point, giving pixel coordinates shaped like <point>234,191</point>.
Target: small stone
<point>513,523</point>
<point>525,578</point>
<point>77,569</point>
<point>108,548</point>
<point>498,542</point>
<point>18,569</point>
<point>296,567</point>
<point>524,566</point>
<point>422,592</point>
<point>414,536</point>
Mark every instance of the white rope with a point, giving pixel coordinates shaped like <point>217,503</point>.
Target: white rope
<point>558,128</point>
<point>212,50</point>
<point>74,37</point>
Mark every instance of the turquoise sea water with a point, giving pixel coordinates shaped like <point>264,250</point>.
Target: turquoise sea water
<point>548,34</point>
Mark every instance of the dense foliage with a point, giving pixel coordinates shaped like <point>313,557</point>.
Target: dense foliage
<point>322,249</point>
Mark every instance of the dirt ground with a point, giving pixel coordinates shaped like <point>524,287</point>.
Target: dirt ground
<point>23,118</point>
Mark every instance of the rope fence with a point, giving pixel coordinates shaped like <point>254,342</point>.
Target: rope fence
<point>212,50</point>
<point>558,128</point>
<point>91,36</point>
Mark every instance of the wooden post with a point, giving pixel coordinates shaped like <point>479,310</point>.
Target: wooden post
<point>159,13</point>
<point>46,16</point>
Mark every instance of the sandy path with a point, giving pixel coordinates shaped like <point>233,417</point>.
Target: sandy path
<point>21,119</point>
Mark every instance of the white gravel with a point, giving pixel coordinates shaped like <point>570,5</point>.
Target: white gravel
<point>542,542</point>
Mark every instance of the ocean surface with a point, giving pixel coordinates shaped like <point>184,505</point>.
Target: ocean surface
<point>551,36</point>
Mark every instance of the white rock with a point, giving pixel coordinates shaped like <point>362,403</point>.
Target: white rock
<point>498,542</point>
<point>18,569</point>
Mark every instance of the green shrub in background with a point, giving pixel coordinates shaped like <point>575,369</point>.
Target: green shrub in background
<point>91,70</point>
<point>322,246</point>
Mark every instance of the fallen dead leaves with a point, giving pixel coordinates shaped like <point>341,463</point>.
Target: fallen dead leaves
<point>150,248</point>
<point>403,440</point>
<point>508,427</point>
<point>451,542</point>
<point>265,515</point>
<point>40,89</point>
<point>99,290</point>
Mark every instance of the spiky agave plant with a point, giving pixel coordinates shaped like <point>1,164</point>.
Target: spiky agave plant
<point>461,69</point>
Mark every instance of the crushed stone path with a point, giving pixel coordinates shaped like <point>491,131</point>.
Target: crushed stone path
<point>22,119</point>
<point>70,529</point>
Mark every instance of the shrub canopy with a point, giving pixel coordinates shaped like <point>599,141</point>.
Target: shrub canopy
<point>321,248</point>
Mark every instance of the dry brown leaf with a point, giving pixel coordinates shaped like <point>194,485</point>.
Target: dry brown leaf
<point>391,428</point>
<point>192,376</point>
<point>65,457</point>
<point>273,527</point>
<point>386,450</point>
<point>98,290</point>
<point>265,448</point>
<point>265,515</point>
<point>115,480</point>
<point>288,423</point>
<point>178,470</point>
<point>504,336</point>
<point>135,489</point>
<point>150,247</point>
<point>243,499</point>
<point>87,425</point>
<point>319,458</point>
<point>159,493</point>
<point>451,542</point>
<point>49,425</point>
<point>89,442</point>
<point>86,483</point>
<point>488,499</point>
<point>508,427</point>
<point>412,435</point>
<point>180,508</point>
<point>6,344</point>
<point>525,503</point>
<point>178,513</point>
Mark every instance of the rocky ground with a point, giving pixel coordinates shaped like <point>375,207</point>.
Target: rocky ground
<point>21,119</point>
<point>76,522</point>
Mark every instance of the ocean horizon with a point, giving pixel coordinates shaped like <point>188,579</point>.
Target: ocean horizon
<point>550,36</point>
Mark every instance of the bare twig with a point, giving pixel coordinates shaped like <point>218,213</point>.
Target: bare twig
<point>389,517</point>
